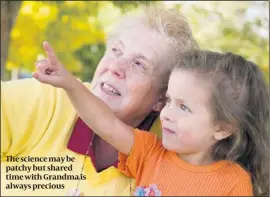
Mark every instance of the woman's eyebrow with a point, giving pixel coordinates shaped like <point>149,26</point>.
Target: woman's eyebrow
<point>151,63</point>
<point>145,58</point>
<point>138,54</point>
<point>120,42</point>
<point>141,56</point>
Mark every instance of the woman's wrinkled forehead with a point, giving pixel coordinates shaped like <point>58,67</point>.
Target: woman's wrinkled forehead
<point>144,41</point>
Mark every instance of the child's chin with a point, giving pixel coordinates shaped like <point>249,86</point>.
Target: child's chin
<point>167,145</point>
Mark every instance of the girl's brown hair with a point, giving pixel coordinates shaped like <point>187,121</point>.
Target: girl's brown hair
<point>241,98</point>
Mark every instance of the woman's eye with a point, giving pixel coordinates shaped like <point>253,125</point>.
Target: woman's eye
<point>139,64</point>
<point>116,51</point>
<point>167,100</point>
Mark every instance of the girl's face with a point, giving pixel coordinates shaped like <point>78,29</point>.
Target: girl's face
<point>187,118</point>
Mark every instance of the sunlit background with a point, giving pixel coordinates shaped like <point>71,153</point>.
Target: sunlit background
<point>77,31</point>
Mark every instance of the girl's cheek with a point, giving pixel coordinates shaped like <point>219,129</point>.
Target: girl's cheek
<point>187,138</point>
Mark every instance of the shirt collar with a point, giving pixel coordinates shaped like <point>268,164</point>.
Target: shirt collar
<point>82,135</point>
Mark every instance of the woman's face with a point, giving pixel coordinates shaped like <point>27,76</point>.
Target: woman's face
<point>127,78</point>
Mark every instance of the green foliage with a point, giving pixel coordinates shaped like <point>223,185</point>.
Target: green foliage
<point>77,29</point>
<point>89,55</point>
<point>66,25</point>
<point>128,5</point>
<point>225,26</point>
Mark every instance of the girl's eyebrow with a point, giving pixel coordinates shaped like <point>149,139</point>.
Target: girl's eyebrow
<point>180,100</point>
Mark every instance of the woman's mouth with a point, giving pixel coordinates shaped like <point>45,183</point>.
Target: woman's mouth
<point>109,89</point>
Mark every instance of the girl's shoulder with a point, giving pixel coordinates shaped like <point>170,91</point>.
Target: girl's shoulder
<point>238,170</point>
<point>239,179</point>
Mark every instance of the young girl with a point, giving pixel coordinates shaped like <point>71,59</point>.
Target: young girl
<point>214,137</point>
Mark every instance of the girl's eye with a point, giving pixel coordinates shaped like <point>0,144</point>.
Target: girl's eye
<point>184,108</point>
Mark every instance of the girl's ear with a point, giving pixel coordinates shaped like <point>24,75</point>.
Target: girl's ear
<point>223,131</point>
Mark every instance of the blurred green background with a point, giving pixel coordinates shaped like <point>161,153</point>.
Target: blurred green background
<point>77,30</point>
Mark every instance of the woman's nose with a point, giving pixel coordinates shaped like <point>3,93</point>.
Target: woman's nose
<point>118,69</point>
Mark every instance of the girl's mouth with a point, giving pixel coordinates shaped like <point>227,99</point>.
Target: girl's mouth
<point>167,130</point>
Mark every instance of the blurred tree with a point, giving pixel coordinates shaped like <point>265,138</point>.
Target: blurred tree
<point>239,27</point>
<point>9,11</point>
<point>73,28</point>
<point>90,56</point>
<point>77,29</point>
<point>128,5</point>
<point>66,25</point>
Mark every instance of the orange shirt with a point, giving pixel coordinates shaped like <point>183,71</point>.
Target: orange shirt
<point>159,172</point>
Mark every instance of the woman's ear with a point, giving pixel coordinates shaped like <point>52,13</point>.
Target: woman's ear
<point>223,130</point>
<point>159,105</point>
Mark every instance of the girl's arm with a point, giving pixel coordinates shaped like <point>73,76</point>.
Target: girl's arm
<point>99,117</point>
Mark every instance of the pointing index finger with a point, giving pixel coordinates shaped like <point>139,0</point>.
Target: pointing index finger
<point>50,53</point>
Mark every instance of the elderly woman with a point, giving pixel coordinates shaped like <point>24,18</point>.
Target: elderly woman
<point>38,120</point>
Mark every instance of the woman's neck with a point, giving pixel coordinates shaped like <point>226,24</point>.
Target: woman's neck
<point>105,153</point>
